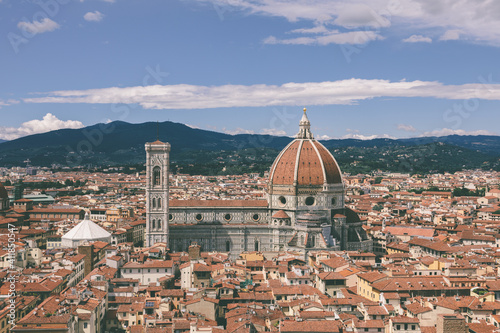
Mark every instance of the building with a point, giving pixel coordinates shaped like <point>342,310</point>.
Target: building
<point>85,231</point>
<point>304,207</point>
<point>157,188</point>
<point>4,198</point>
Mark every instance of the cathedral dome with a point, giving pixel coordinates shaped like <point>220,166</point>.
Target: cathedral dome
<point>304,162</point>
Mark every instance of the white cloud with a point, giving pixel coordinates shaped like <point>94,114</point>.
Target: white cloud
<point>192,126</point>
<point>238,131</point>
<point>8,102</point>
<point>316,30</point>
<point>407,128</point>
<point>367,137</point>
<point>351,91</point>
<point>38,27</point>
<point>323,137</point>
<point>417,39</point>
<point>450,35</point>
<point>48,123</point>
<point>273,131</point>
<point>448,131</point>
<point>478,20</point>
<point>93,16</point>
<point>355,15</point>
<point>332,37</point>
<point>268,131</point>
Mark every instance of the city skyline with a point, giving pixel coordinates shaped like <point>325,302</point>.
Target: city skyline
<point>363,69</point>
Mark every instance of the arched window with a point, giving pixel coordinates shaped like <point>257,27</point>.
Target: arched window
<point>153,224</point>
<point>159,224</point>
<point>156,175</point>
<point>154,203</point>
<point>228,246</point>
<point>159,203</point>
<point>256,245</point>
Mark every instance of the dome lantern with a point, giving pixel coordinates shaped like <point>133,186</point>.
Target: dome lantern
<point>305,128</point>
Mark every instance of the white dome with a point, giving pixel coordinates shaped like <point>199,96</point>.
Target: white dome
<point>85,231</point>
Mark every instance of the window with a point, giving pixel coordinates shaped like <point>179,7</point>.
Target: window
<point>282,200</point>
<point>398,327</point>
<point>170,217</point>
<point>309,201</point>
<point>255,217</point>
<point>154,203</point>
<point>159,203</point>
<point>366,329</point>
<point>199,217</point>
<point>227,217</point>
<point>156,175</point>
<point>85,325</point>
<point>412,327</point>
<point>334,201</point>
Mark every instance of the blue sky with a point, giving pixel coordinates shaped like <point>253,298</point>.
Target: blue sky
<point>363,68</point>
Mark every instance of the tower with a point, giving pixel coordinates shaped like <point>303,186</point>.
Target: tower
<point>157,189</point>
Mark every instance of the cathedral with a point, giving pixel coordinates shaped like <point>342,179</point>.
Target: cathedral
<point>303,210</point>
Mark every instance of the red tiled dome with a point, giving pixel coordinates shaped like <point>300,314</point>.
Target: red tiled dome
<point>305,162</point>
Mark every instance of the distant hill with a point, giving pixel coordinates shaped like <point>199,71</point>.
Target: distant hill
<point>481,143</point>
<point>2,140</point>
<point>208,152</point>
<point>122,143</point>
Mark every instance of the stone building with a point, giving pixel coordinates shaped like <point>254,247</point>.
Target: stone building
<point>4,198</point>
<point>304,207</point>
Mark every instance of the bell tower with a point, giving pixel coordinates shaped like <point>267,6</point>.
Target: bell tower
<point>157,190</point>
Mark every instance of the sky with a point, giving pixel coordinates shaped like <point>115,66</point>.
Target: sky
<point>362,68</point>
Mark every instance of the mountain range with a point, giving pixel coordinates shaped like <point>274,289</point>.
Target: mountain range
<point>121,143</point>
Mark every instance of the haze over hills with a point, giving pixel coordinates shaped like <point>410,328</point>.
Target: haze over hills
<point>121,143</point>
